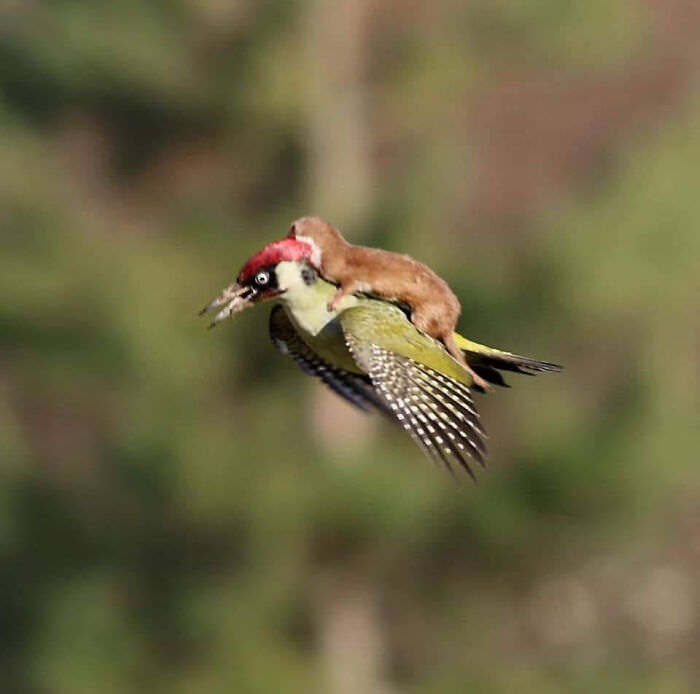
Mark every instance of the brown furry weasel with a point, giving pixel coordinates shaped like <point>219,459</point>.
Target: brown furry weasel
<point>394,276</point>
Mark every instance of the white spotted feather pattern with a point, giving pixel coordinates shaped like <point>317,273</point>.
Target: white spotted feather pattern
<point>437,411</point>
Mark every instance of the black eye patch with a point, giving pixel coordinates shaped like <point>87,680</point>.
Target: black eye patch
<point>308,274</point>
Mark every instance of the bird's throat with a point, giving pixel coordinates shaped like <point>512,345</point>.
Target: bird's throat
<point>308,305</point>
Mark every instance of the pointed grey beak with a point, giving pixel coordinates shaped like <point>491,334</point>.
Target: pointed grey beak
<point>233,300</point>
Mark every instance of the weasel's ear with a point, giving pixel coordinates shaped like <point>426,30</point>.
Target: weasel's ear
<point>292,233</point>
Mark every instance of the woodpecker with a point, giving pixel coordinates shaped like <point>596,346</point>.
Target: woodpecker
<point>434,309</point>
<point>369,352</point>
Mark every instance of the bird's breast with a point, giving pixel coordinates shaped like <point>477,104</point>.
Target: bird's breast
<point>328,340</point>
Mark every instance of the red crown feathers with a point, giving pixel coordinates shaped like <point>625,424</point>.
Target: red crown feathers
<point>289,249</point>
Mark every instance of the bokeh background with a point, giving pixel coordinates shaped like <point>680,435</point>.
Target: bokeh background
<point>183,510</point>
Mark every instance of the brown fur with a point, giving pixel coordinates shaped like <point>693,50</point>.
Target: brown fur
<point>394,276</point>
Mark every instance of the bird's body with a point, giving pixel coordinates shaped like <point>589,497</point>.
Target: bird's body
<point>369,352</point>
<point>372,320</point>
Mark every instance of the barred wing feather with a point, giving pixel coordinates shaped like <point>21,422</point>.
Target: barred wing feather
<point>436,410</point>
<point>355,388</point>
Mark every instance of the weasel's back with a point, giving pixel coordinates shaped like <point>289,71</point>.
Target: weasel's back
<point>388,274</point>
<point>398,276</point>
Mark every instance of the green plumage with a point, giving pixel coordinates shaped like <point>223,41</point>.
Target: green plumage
<point>367,320</point>
<point>438,412</point>
<point>371,354</point>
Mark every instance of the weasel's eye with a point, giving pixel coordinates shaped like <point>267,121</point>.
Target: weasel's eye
<point>262,278</point>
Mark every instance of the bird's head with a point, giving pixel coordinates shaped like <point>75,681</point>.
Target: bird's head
<point>270,273</point>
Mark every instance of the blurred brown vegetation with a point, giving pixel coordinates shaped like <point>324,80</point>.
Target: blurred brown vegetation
<point>183,511</point>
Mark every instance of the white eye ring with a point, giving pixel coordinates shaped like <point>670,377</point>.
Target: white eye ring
<point>262,277</point>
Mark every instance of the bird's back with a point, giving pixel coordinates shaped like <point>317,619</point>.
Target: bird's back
<point>380,323</point>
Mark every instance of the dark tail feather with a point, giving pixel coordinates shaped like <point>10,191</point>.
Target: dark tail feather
<point>489,365</point>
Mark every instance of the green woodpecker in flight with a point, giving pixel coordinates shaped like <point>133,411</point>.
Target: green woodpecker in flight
<point>370,353</point>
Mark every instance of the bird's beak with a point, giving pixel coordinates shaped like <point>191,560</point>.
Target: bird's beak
<point>233,299</point>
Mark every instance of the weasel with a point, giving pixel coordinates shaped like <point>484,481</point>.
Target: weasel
<point>434,308</point>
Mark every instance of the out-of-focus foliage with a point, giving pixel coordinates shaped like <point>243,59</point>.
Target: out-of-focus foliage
<point>174,515</point>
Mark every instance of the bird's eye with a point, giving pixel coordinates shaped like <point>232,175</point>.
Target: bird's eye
<point>262,278</point>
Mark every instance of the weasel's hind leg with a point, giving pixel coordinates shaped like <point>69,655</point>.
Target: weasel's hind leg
<point>428,319</point>
<point>456,352</point>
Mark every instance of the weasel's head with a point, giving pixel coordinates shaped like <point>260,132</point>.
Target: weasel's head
<point>320,234</point>
<point>271,272</point>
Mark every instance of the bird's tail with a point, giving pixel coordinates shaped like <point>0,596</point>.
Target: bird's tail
<point>487,361</point>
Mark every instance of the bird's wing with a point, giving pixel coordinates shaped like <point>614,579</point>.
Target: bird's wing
<point>386,325</point>
<point>355,388</point>
<point>433,406</point>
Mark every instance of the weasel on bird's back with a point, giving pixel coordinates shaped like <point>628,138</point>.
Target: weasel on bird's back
<point>394,276</point>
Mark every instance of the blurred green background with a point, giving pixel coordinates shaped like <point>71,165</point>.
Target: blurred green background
<point>184,511</point>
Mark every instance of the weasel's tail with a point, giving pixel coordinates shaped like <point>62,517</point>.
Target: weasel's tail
<point>487,361</point>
